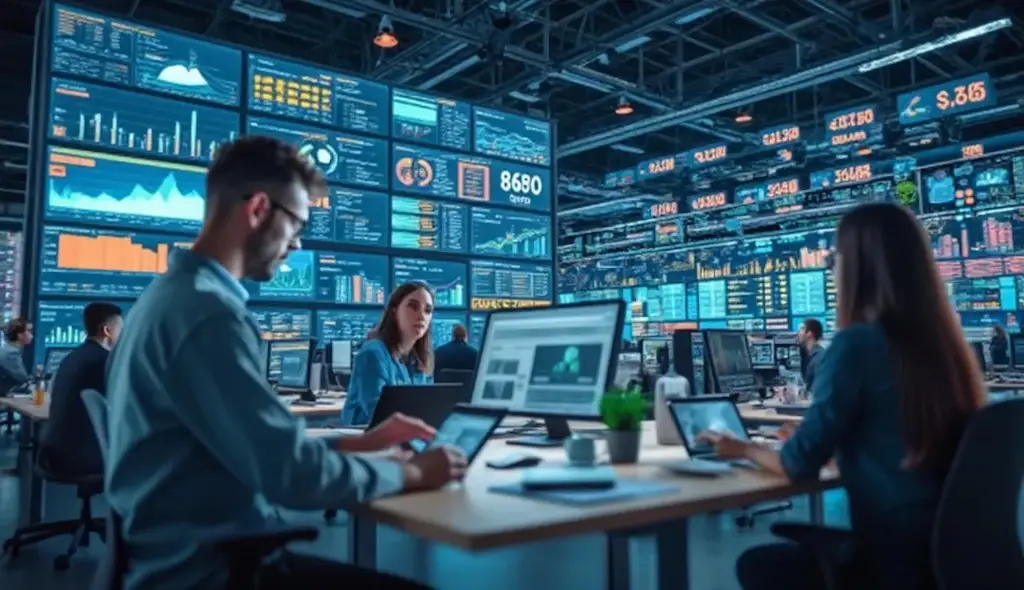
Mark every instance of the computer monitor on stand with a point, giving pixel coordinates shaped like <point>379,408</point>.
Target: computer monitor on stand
<point>552,363</point>
<point>731,368</point>
<point>290,363</point>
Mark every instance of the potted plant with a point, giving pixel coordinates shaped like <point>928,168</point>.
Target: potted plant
<point>622,411</point>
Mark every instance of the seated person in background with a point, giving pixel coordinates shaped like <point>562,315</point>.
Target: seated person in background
<point>68,443</point>
<point>457,354</point>
<point>892,398</point>
<point>999,346</point>
<point>809,338</point>
<point>17,335</point>
<point>396,353</point>
<point>200,444</point>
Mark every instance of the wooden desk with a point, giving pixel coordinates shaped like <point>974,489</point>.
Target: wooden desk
<point>332,410</point>
<point>23,405</point>
<point>1004,385</point>
<point>472,518</point>
<point>766,415</point>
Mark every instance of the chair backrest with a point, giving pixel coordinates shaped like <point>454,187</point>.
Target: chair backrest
<point>977,541</point>
<point>110,574</point>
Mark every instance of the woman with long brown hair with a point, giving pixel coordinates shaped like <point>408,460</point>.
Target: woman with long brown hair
<point>892,397</point>
<point>397,352</point>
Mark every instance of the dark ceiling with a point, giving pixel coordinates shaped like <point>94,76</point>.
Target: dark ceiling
<point>573,60</point>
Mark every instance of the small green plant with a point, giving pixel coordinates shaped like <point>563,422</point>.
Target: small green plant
<point>623,409</point>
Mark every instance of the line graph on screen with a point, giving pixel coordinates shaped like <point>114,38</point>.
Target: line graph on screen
<point>294,278</point>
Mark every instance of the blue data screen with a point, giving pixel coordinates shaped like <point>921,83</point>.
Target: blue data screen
<point>502,285</point>
<point>283,323</point>
<point>446,278</point>
<point>477,325</point>
<point>342,158</point>
<point>430,119</point>
<point>442,324</point>
<point>512,234</point>
<point>349,216</point>
<point>102,262</point>
<point>289,363</point>
<point>294,280</point>
<point>421,224</point>
<point>356,279</point>
<point>92,114</point>
<point>59,324</point>
<point>348,325</point>
<point>124,191</point>
<point>497,133</point>
<point>88,45</point>
<point>288,89</point>
<point>435,173</point>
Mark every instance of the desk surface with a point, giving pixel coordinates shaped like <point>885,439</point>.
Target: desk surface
<point>472,518</point>
<point>766,415</point>
<point>23,405</point>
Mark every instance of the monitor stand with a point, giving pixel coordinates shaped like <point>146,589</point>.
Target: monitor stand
<point>307,395</point>
<point>557,431</point>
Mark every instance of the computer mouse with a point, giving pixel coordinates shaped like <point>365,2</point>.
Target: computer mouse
<point>514,461</point>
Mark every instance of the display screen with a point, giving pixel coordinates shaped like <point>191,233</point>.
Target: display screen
<point>442,324</point>
<point>502,285</point>
<point>288,89</point>
<point>497,133</point>
<point>348,325</point>
<point>124,191</point>
<point>422,224</point>
<point>354,279</point>
<point>294,280</point>
<point>434,173</point>
<point>969,184</point>
<point>349,216</point>
<point>446,278</point>
<point>510,233</point>
<point>88,45</point>
<point>342,158</point>
<point>92,114</point>
<point>430,119</point>
<point>995,234</point>
<point>477,325</point>
<point>283,323</point>
<point>10,274</point>
<point>102,263</point>
<point>946,100</point>
<point>59,324</point>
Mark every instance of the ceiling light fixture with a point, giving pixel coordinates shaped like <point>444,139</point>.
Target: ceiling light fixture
<point>623,108</point>
<point>743,118</point>
<point>386,38</point>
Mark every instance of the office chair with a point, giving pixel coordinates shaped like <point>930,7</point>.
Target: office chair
<point>244,550</point>
<point>80,529</point>
<point>975,542</point>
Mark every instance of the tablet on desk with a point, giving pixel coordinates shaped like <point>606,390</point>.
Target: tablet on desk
<point>467,428</point>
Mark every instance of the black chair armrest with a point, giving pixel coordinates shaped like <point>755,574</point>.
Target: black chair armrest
<point>255,545</point>
<point>813,536</point>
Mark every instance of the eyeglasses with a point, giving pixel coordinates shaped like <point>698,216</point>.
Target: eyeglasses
<point>275,206</point>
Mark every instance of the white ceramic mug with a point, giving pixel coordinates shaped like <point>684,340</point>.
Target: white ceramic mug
<point>581,451</point>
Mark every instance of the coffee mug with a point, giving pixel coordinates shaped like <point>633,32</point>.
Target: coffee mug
<point>581,451</point>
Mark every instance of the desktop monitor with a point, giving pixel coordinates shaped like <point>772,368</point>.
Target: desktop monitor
<point>1017,351</point>
<point>290,362</point>
<point>979,353</point>
<point>729,358</point>
<point>649,348</point>
<point>54,356</point>
<point>340,355</point>
<point>762,353</point>
<point>553,363</point>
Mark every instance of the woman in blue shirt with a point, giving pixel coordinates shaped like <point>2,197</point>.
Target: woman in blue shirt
<point>892,397</point>
<point>398,352</point>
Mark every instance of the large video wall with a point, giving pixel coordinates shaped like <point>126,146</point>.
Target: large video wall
<point>971,207</point>
<point>421,186</point>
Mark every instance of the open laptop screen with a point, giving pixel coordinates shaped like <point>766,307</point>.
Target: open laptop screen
<point>694,416</point>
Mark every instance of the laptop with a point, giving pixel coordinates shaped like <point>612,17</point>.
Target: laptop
<point>716,413</point>
<point>466,428</point>
<point>431,403</point>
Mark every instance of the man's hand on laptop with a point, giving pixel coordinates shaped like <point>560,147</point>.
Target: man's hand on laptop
<point>394,431</point>
<point>726,446</point>
<point>434,468</point>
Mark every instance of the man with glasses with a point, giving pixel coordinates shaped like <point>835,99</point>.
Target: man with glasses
<point>199,444</point>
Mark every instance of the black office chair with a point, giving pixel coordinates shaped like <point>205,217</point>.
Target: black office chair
<point>975,543</point>
<point>244,550</point>
<point>79,528</point>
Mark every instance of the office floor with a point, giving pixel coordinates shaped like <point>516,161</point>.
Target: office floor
<point>566,565</point>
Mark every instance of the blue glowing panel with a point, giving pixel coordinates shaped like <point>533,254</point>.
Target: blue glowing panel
<point>347,325</point>
<point>510,233</point>
<point>279,323</point>
<point>123,191</point>
<point>88,45</point>
<point>294,280</point>
<point>101,262</point>
<point>92,114</point>
<point>342,158</point>
<point>430,119</point>
<point>477,325</point>
<point>10,274</point>
<point>349,216</point>
<point>442,324</point>
<point>502,134</point>
<point>447,279</point>
<point>420,224</point>
<point>435,173</point>
<point>354,279</point>
<point>59,324</point>
<point>946,100</point>
<point>288,89</point>
<point>504,285</point>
